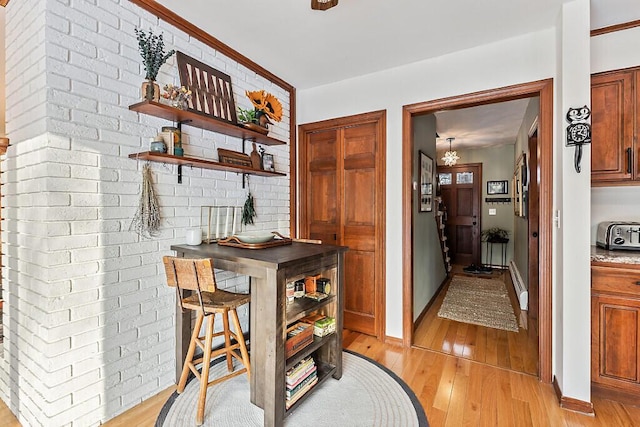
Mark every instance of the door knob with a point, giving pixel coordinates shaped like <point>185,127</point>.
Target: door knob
<point>534,234</point>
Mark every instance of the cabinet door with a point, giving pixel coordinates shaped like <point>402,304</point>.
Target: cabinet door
<point>612,118</point>
<point>636,141</point>
<point>615,337</point>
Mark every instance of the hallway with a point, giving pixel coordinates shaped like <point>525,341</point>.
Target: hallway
<point>517,351</point>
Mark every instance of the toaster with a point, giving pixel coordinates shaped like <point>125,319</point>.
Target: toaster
<point>614,235</point>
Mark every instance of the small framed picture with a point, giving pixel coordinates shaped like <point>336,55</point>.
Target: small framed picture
<point>425,167</point>
<point>497,187</point>
<point>267,162</point>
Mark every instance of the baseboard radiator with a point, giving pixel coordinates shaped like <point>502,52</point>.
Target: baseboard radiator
<point>518,285</point>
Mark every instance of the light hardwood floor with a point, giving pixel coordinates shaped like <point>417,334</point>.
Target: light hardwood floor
<point>453,391</point>
<point>511,350</point>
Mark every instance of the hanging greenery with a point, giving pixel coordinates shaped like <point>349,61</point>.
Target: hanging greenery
<point>146,221</point>
<point>248,210</point>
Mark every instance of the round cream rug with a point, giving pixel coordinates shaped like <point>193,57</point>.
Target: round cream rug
<point>367,395</point>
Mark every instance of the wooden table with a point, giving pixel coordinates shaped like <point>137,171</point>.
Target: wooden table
<point>269,269</point>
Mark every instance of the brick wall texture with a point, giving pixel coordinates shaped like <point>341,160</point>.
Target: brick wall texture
<point>89,320</point>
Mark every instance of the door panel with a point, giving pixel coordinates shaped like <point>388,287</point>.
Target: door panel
<point>462,200</point>
<point>360,187</point>
<point>343,168</point>
<point>612,130</point>
<point>322,202</point>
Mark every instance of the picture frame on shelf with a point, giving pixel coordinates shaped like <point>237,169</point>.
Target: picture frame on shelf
<point>497,187</point>
<point>425,167</point>
<point>267,162</point>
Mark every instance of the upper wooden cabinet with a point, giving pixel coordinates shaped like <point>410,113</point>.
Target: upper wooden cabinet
<point>615,153</point>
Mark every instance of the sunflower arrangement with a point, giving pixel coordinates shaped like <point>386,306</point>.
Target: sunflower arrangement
<point>265,105</point>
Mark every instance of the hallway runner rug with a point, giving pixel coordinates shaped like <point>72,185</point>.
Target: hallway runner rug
<point>483,302</point>
<point>367,395</point>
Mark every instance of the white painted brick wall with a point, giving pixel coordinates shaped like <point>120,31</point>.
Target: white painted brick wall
<point>89,320</point>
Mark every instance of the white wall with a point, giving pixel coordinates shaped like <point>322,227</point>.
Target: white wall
<point>574,280</point>
<point>428,262</point>
<point>614,51</point>
<point>518,60</point>
<point>90,320</point>
<point>521,225</point>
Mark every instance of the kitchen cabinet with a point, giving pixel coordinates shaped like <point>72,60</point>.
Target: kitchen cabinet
<point>615,150</point>
<point>615,331</point>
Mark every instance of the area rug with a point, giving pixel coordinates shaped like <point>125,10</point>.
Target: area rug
<point>367,395</point>
<point>483,302</point>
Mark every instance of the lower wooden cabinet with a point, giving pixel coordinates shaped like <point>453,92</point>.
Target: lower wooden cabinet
<point>615,331</point>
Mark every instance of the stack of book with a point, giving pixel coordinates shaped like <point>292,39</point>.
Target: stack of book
<point>300,379</point>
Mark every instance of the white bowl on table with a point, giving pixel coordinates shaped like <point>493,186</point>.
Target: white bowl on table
<point>255,236</point>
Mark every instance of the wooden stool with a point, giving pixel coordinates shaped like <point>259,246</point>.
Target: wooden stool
<point>197,275</point>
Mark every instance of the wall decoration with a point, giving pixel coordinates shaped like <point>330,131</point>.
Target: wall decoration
<point>212,95</point>
<point>426,182</point>
<point>578,132</point>
<point>234,158</point>
<point>497,187</point>
<point>520,181</point>
<point>267,162</point>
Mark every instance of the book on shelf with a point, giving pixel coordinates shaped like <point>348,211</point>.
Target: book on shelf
<point>290,393</point>
<point>289,402</point>
<point>324,326</point>
<point>316,296</point>
<point>293,381</point>
<point>300,367</point>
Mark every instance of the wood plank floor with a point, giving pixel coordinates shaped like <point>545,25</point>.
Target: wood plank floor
<point>512,350</point>
<point>454,391</point>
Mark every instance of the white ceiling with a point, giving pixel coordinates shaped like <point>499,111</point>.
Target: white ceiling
<point>309,48</point>
<point>482,126</point>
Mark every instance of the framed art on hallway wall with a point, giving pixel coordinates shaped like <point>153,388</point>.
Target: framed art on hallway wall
<point>425,167</point>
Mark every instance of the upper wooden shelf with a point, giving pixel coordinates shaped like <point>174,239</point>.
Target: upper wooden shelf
<point>200,163</point>
<point>191,118</point>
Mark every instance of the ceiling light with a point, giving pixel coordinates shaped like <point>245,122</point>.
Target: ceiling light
<point>450,157</point>
<point>323,4</point>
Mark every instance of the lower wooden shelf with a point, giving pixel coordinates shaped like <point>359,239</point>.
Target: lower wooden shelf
<point>200,163</point>
<point>316,344</point>
<point>324,371</point>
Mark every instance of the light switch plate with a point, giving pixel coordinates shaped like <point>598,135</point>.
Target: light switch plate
<point>492,211</point>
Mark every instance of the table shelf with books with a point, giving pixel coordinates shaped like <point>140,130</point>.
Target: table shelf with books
<point>321,355</point>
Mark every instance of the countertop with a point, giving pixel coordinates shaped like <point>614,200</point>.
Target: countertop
<point>614,257</point>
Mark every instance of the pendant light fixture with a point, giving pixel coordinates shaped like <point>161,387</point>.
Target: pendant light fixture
<point>450,157</point>
<point>323,4</point>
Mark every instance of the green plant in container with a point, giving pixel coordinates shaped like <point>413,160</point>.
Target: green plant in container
<point>151,47</point>
<point>495,235</point>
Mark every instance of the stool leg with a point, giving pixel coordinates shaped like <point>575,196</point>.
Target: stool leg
<point>243,345</point>
<point>227,339</point>
<point>192,349</point>
<point>204,375</point>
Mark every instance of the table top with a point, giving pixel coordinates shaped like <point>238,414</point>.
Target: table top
<point>275,257</point>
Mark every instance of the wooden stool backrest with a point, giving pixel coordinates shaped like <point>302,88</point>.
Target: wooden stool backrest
<point>191,274</point>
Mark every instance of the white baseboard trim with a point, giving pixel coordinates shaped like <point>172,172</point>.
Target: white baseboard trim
<point>518,285</point>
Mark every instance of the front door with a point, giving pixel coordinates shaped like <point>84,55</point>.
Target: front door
<point>460,189</point>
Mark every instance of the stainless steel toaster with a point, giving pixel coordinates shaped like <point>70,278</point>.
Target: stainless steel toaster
<point>615,235</point>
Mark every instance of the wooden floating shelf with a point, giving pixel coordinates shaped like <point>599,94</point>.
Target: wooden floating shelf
<point>200,163</point>
<point>202,121</point>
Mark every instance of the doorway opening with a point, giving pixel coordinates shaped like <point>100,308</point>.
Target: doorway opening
<point>544,90</point>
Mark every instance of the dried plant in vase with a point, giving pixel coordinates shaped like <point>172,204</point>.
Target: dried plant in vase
<point>151,47</point>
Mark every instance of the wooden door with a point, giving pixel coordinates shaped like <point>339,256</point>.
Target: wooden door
<point>460,187</point>
<point>612,126</point>
<point>533,225</point>
<point>342,188</point>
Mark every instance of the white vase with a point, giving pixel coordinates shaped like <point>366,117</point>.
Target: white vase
<point>194,236</point>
